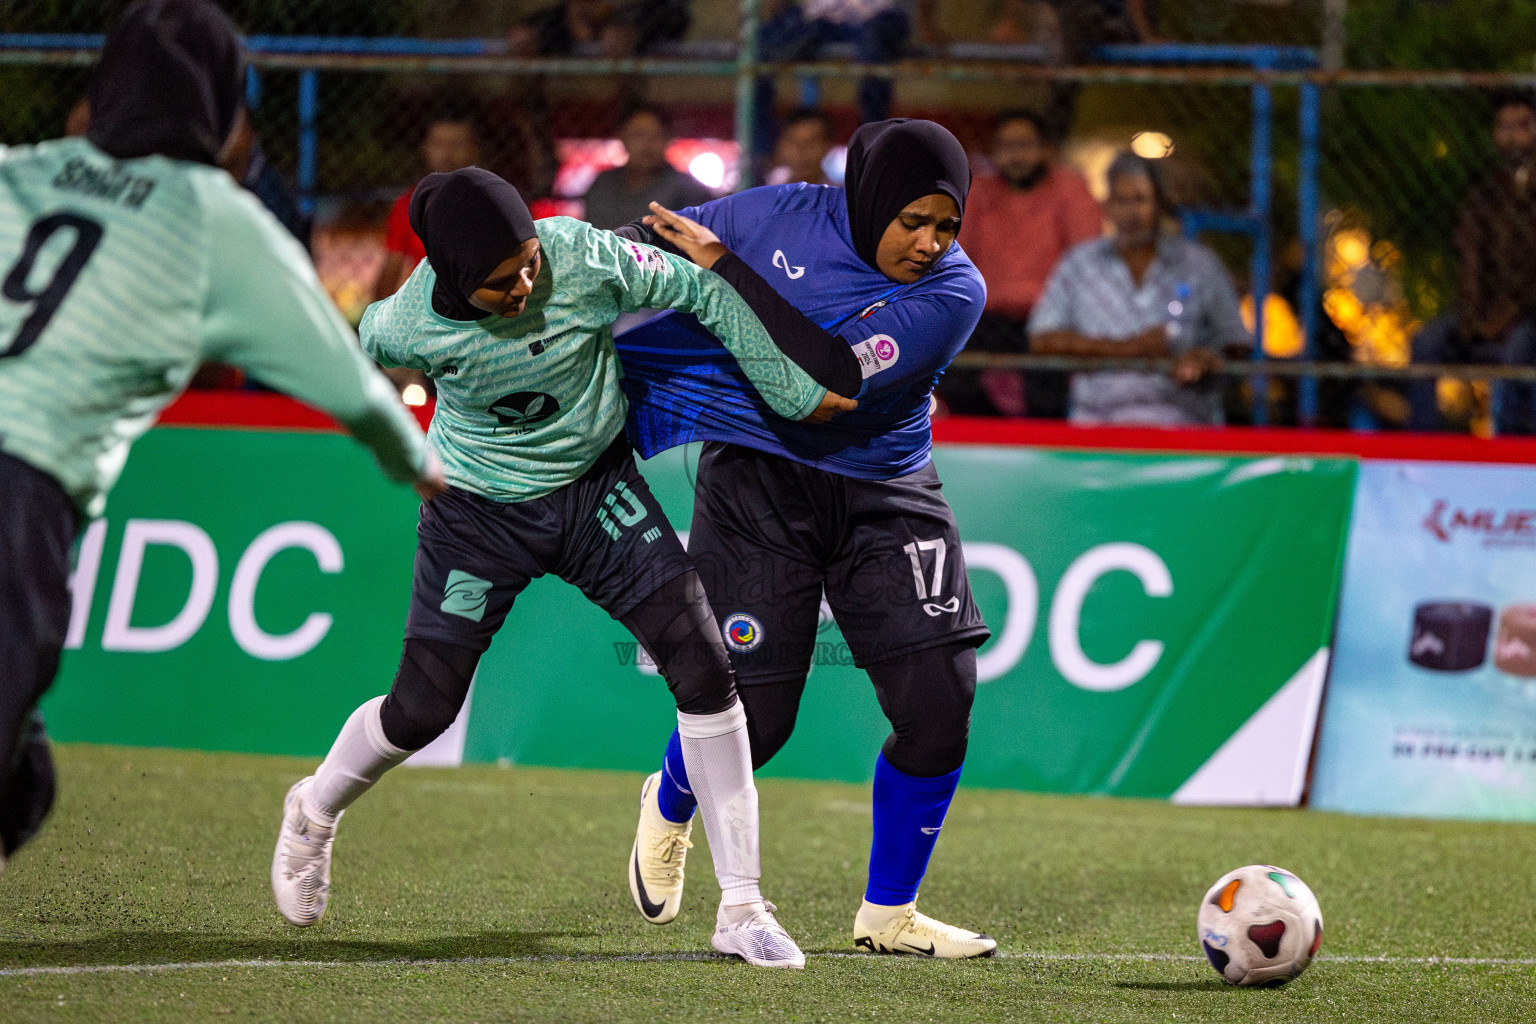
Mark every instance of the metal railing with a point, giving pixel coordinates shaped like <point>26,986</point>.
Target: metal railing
<point>1261,70</point>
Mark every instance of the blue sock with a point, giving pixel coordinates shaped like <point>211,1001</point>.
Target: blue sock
<point>909,812</point>
<point>673,795</point>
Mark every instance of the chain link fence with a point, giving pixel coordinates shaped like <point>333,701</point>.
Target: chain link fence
<point>542,89</point>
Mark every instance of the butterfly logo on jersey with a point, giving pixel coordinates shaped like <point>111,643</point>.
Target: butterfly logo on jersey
<point>743,633</point>
<point>781,261</point>
<point>524,408</point>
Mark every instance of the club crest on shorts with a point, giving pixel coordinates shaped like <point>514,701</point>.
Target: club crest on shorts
<point>743,633</point>
<point>465,595</point>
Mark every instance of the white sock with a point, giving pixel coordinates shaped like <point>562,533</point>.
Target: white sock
<point>359,758</point>
<point>719,764</point>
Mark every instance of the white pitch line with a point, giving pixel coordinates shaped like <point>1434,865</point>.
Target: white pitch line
<point>208,965</point>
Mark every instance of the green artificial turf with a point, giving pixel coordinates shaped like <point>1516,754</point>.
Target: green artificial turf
<point>161,857</point>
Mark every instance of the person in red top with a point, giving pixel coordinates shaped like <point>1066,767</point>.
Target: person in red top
<point>451,142</point>
<point>1018,224</point>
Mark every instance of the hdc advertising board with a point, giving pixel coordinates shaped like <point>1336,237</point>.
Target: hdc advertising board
<point>1431,705</point>
<point>1160,622</point>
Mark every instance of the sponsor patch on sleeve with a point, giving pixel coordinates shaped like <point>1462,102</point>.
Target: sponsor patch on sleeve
<point>877,353</point>
<point>647,257</point>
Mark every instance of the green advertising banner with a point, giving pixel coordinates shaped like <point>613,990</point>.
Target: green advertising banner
<point>1160,622</point>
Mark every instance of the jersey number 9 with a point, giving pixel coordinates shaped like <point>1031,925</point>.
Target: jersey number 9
<point>45,300</point>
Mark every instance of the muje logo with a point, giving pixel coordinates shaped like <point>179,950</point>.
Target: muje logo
<point>1511,527</point>
<point>524,408</point>
<point>465,595</point>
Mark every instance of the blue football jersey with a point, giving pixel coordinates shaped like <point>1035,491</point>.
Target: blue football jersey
<point>684,386</point>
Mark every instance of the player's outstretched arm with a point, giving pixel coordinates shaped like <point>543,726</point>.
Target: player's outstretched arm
<point>818,352</point>
<point>266,312</point>
<point>647,278</point>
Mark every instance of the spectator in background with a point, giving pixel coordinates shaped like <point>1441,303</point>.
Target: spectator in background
<point>246,163</point>
<point>1141,293</point>
<point>1495,322</point>
<point>451,142</point>
<point>78,121</point>
<point>623,194</point>
<point>607,28</point>
<point>1019,222</point>
<point>798,31</point>
<point>804,142</point>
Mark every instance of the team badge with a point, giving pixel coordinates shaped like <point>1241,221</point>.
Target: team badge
<point>743,633</point>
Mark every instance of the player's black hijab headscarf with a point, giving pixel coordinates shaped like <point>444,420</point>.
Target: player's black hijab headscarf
<point>169,82</point>
<point>891,163</point>
<point>469,222</point>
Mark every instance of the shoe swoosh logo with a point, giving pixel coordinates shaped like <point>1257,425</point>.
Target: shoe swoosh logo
<point>919,949</point>
<point>646,906</point>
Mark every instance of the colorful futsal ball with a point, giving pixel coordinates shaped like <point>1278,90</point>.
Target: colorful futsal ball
<point>1260,925</point>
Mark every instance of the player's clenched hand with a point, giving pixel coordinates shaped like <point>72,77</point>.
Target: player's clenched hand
<point>429,482</point>
<point>830,406</point>
<point>692,239</point>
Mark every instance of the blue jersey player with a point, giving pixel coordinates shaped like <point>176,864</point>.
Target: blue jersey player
<point>783,513</point>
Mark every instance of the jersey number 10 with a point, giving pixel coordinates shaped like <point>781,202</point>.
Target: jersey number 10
<point>45,301</point>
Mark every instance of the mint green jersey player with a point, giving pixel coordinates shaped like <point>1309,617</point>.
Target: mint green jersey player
<point>526,404</point>
<point>118,277</point>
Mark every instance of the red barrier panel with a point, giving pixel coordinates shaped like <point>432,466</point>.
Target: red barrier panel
<point>264,410</point>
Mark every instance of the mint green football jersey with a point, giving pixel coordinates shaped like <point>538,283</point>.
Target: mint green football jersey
<point>117,278</point>
<point>526,404</point>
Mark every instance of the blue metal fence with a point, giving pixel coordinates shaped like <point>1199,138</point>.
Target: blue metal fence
<point>308,55</point>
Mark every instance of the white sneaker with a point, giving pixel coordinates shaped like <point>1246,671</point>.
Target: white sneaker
<point>301,864</point>
<point>903,930</point>
<point>750,932</point>
<point>657,859</point>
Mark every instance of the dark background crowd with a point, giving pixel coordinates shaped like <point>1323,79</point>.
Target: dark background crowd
<point>1076,215</point>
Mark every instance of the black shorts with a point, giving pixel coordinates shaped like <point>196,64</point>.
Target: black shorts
<point>38,522</point>
<point>769,534</point>
<point>604,533</point>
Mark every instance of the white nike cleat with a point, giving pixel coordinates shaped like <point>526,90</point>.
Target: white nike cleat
<point>751,932</point>
<point>903,930</point>
<point>656,860</point>
<point>301,864</point>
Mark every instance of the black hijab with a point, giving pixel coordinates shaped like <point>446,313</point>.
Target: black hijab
<point>891,163</point>
<point>469,222</point>
<point>169,82</point>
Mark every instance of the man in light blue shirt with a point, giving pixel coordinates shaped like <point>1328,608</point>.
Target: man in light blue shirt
<point>1141,294</point>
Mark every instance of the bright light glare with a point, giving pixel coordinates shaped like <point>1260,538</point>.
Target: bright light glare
<point>1151,145</point>
<point>709,169</point>
<point>414,394</point>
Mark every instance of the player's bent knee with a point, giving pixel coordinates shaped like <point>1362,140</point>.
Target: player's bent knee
<point>429,690</point>
<point>928,697</point>
<point>26,795</point>
<point>678,628</point>
<point>771,712</point>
